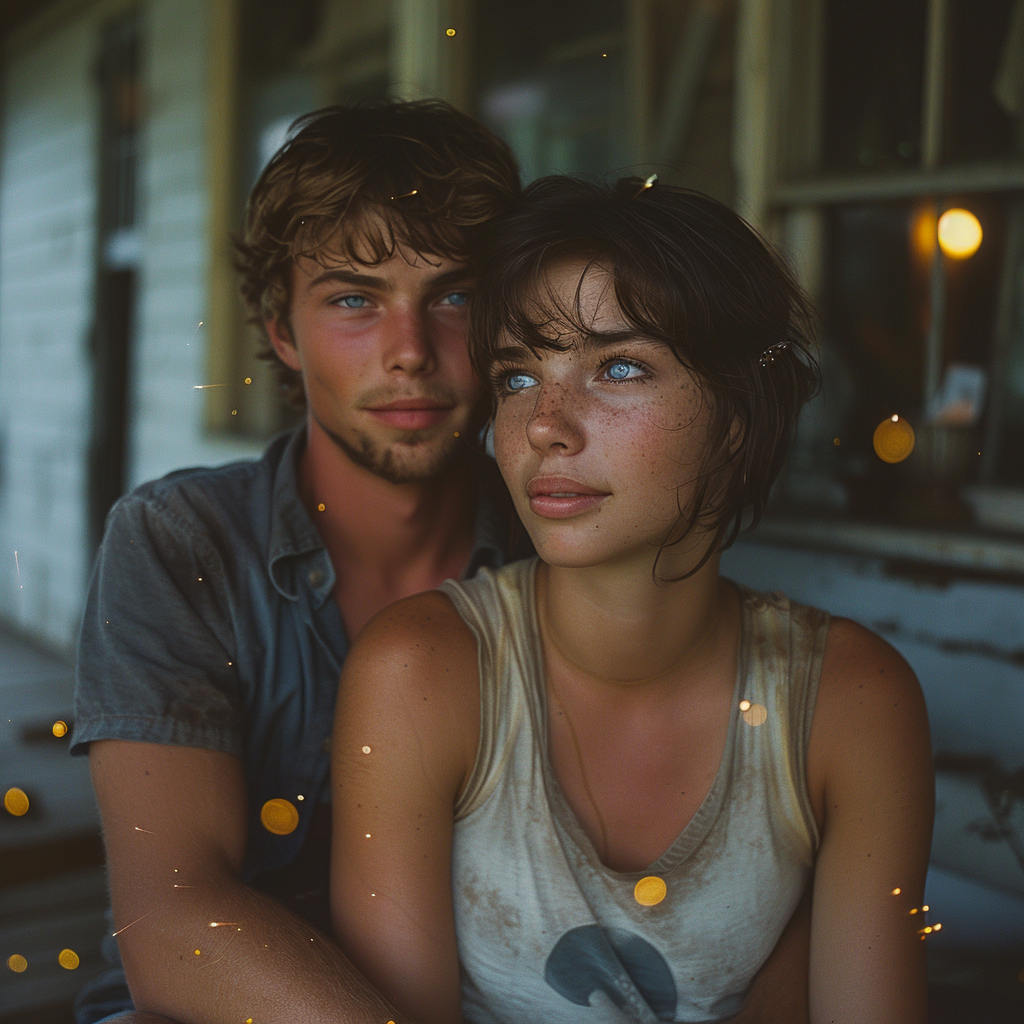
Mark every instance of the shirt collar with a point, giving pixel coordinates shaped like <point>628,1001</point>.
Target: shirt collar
<point>298,559</point>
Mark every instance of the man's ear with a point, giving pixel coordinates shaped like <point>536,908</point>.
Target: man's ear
<point>280,335</point>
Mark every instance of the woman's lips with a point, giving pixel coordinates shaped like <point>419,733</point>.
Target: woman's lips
<point>562,498</point>
<point>411,414</point>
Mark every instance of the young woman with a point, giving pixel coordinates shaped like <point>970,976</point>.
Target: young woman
<point>594,786</point>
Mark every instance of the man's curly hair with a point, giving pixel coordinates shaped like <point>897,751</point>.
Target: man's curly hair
<point>356,183</point>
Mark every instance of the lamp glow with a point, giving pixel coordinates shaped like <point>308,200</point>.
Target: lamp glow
<point>959,234</point>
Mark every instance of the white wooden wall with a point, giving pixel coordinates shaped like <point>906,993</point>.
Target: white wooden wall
<point>47,238</point>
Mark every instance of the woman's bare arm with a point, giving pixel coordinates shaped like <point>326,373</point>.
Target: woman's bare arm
<point>405,738</point>
<point>871,733</point>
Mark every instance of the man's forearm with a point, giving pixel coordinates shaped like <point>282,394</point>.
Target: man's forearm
<point>221,953</point>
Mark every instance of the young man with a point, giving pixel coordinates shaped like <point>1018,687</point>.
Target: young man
<point>223,601</point>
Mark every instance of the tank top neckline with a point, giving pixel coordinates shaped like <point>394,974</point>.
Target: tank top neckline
<point>698,827</point>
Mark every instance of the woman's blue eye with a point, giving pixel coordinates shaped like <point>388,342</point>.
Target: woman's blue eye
<point>353,301</point>
<point>621,370</point>
<point>456,299</point>
<point>519,381</point>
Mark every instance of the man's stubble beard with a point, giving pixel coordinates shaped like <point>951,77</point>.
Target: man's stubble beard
<point>381,459</point>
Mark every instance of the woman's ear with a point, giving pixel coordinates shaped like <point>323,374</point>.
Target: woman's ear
<point>280,334</point>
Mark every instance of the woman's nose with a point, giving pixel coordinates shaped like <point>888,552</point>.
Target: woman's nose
<point>555,424</point>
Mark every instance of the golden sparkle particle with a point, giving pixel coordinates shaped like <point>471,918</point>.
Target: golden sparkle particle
<point>926,908</point>
<point>755,715</point>
<point>321,507</point>
<point>196,951</point>
<point>234,412</point>
<point>68,959</point>
<point>279,816</point>
<point>893,439</point>
<point>449,32</point>
<point>836,441</point>
<point>897,891</point>
<point>17,963</point>
<point>456,433</point>
<point>60,729</point>
<point>744,705</point>
<point>366,750</point>
<point>16,801</point>
<point>650,891</point>
<point>248,380</point>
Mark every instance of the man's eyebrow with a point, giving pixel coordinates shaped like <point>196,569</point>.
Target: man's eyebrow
<point>457,275</point>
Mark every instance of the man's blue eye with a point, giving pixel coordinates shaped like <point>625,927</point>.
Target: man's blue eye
<point>519,381</point>
<point>353,301</point>
<point>621,370</point>
<point>457,299</point>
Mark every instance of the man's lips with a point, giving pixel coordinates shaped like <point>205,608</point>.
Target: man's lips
<point>559,497</point>
<point>411,413</point>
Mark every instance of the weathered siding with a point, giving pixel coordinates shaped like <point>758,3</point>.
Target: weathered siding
<point>47,215</point>
<point>47,258</point>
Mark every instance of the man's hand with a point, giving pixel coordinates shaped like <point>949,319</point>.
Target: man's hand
<point>198,945</point>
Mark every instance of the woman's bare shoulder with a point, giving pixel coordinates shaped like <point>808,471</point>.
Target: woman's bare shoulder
<point>420,642</point>
<point>869,704</point>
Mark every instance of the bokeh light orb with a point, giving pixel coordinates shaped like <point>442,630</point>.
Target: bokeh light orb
<point>16,801</point>
<point>755,715</point>
<point>959,234</point>
<point>68,959</point>
<point>893,439</point>
<point>650,891</point>
<point>60,729</point>
<point>279,816</point>
<point>17,963</point>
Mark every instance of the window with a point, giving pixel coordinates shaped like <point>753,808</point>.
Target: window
<point>894,114</point>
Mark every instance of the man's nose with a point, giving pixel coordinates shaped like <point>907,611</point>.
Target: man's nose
<point>408,347</point>
<point>554,425</point>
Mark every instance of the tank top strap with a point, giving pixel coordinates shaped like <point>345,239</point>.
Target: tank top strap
<point>497,607</point>
<point>786,644</point>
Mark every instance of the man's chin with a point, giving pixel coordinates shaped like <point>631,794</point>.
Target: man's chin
<point>408,456</point>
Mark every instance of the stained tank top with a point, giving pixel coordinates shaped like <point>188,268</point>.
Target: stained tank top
<point>547,933</point>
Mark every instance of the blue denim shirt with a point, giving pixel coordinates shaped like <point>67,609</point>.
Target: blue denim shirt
<point>210,623</point>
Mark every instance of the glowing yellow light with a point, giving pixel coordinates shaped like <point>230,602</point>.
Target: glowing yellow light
<point>928,929</point>
<point>367,835</point>
<point>16,801</point>
<point>456,433</point>
<point>279,816</point>
<point>937,927</point>
<point>896,891</point>
<point>197,952</point>
<point>248,380</point>
<point>893,439</point>
<point>321,507</point>
<point>836,441</point>
<point>926,908</point>
<point>300,797</point>
<point>959,234</point>
<point>60,729</point>
<point>68,959</point>
<point>914,910</point>
<point>449,32</point>
<point>366,750</point>
<point>744,705</point>
<point>650,891</point>
<point>755,715</point>
<point>17,963</point>
<point>234,412</point>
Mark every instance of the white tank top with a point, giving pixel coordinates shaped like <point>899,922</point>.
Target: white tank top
<point>547,933</point>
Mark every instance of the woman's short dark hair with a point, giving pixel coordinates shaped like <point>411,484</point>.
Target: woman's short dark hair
<point>688,272</point>
<point>433,175</point>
